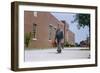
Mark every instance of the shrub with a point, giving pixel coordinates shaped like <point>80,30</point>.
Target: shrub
<point>27,38</point>
<point>66,44</point>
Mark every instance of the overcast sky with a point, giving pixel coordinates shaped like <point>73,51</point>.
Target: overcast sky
<point>80,34</point>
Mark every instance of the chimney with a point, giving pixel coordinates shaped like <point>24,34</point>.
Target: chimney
<point>63,21</point>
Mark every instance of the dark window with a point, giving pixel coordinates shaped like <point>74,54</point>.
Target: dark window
<point>50,32</point>
<point>34,30</point>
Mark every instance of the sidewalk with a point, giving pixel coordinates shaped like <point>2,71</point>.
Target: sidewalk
<point>51,54</point>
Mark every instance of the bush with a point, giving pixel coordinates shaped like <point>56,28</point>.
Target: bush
<point>68,45</point>
<point>27,38</point>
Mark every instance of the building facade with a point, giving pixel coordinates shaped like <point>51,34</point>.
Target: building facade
<point>43,26</point>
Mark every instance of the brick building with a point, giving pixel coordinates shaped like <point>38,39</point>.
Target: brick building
<point>43,26</point>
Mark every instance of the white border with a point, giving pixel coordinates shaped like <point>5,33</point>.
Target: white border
<point>23,64</point>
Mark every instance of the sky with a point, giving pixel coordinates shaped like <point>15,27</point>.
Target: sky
<point>80,34</point>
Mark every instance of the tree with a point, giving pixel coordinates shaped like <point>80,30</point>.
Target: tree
<point>77,45</point>
<point>83,20</point>
<point>27,38</point>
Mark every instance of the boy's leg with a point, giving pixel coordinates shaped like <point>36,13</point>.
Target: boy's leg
<point>62,45</point>
<point>59,47</point>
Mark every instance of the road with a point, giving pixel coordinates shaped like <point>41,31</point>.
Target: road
<point>51,54</point>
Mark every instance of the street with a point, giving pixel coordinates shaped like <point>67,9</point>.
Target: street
<point>51,54</point>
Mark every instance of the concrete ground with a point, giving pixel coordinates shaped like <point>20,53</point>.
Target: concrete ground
<point>51,54</point>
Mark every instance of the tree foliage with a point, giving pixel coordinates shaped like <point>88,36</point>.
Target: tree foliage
<point>82,19</point>
<point>27,38</point>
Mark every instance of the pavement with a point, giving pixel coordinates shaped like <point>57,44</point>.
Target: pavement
<point>51,54</point>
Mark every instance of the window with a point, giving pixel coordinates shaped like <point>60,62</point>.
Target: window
<point>55,31</point>
<point>34,31</point>
<point>55,28</point>
<point>50,32</point>
<point>35,14</point>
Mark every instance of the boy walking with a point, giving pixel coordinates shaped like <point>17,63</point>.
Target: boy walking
<point>59,37</point>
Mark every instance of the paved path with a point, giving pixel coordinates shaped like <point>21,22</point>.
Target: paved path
<point>51,54</point>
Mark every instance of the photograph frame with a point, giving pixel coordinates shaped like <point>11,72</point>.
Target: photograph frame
<point>15,33</point>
